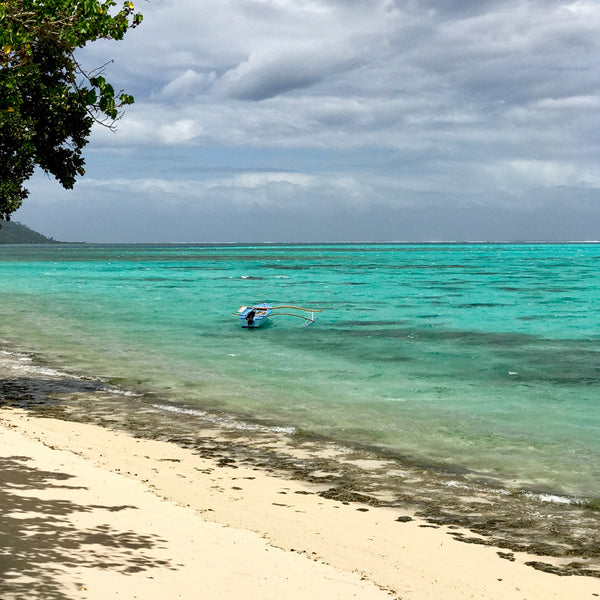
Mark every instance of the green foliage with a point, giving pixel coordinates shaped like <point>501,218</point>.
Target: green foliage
<point>48,103</point>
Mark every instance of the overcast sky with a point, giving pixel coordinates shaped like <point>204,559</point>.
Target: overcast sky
<point>343,120</point>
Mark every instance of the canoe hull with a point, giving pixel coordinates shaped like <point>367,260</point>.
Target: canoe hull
<point>253,317</point>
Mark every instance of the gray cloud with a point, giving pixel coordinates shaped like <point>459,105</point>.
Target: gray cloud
<point>492,105</point>
<point>269,75</point>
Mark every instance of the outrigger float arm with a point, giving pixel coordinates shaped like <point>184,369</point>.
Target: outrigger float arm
<point>308,320</point>
<point>260,308</point>
<point>292,315</point>
<point>299,308</point>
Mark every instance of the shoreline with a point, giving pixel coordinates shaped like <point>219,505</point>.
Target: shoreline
<point>78,526</point>
<point>563,533</point>
<point>153,514</point>
<point>246,481</point>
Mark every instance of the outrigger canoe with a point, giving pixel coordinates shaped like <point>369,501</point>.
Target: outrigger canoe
<point>256,315</point>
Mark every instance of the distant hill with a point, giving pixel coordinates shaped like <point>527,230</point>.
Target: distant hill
<point>17,233</point>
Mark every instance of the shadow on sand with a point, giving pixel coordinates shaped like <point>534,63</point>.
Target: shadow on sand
<point>38,540</point>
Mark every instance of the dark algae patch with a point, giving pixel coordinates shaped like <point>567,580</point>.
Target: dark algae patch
<point>565,536</point>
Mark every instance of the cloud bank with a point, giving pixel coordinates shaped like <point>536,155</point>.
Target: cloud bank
<point>339,109</point>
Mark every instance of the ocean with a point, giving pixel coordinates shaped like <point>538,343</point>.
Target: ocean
<point>465,364</point>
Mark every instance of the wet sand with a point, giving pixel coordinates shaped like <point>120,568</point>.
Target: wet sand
<point>98,509</point>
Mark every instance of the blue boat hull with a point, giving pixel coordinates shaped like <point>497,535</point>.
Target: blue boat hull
<point>255,316</point>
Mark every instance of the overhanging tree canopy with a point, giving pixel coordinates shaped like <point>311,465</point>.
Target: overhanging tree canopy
<point>48,103</point>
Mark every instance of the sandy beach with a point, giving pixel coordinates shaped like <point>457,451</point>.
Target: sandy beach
<point>88,512</point>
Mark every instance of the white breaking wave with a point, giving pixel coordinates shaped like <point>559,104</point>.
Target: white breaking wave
<point>554,499</point>
<point>224,421</point>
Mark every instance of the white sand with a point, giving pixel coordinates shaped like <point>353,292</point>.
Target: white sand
<point>94,514</point>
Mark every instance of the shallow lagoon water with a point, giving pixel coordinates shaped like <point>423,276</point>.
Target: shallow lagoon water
<point>479,358</point>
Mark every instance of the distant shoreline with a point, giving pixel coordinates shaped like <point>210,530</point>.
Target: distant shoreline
<point>13,232</point>
<point>312,244</point>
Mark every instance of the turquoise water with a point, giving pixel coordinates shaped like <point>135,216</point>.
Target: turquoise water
<point>485,357</point>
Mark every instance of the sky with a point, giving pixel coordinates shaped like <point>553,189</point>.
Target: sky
<point>342,120</point>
